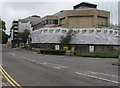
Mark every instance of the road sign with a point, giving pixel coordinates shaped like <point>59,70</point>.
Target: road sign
<point>57,47</point>
<point>91,48</point>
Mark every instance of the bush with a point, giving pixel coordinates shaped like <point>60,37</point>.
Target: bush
<point>53,52</point>
<point>101,55</point>
<point>75,53</point>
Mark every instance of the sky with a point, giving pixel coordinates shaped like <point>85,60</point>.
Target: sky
<point>18,9</point>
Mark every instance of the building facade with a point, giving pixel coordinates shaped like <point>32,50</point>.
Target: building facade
<point>83,15</point>
<point>20,26</point>
<point>14,29</point>
<point>14,33</point>
<point>47,21</point>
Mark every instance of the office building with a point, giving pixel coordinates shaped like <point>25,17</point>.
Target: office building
<point>84,15</point>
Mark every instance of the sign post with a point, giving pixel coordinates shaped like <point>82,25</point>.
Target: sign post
<point>57,47</point>
<point>91,48</point>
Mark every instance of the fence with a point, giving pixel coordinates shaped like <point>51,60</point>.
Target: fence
<point>82,48</point>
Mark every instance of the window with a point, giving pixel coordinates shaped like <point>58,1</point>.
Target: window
<point>51,22</point>
<point>55,21</point>
<point>38,25</point>
<point>45,21</point>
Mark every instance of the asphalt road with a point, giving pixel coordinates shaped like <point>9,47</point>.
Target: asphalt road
<point>32,69</point>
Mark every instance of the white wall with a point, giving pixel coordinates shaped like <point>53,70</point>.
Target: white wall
<point>24,26</point>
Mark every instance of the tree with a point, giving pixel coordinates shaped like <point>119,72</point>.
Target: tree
<point>65,40</point>
<point>2,25</point>
<point>3,36</point>
<point>23,36</point>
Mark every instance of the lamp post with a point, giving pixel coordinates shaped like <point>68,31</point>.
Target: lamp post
<point>119,44</point>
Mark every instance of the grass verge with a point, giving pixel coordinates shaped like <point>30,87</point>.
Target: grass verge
<point>100,55</point>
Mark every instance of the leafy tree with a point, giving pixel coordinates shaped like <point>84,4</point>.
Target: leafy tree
<point>65,40</point>
<point>3,36</point>
<point>23,36</point>
<point>2,25</point>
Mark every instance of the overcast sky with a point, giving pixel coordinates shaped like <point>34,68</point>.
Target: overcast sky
<point>12,10</point>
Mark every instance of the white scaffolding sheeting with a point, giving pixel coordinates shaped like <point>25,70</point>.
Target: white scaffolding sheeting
<point>81,35</point>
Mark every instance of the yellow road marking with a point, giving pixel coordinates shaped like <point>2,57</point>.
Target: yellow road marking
<point>1,77</point>
<point>9,78</point>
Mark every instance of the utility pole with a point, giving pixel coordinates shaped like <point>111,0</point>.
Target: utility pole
<point>119,45</point>
<point>118,40</point>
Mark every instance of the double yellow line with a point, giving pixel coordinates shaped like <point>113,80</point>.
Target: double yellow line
<point>9,78</point>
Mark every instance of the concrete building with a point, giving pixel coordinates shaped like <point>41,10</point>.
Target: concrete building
<point>47,21</point>
<point>83,15</point>
<point>13,33</point>
<point>26,23</point>
<point>14,29</point>
<point>20,26</point>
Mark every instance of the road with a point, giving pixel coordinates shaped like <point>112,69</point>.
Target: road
<point>32,69</point>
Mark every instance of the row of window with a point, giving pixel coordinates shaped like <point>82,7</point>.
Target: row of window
<point>51,21</point>
<point>45,22</point>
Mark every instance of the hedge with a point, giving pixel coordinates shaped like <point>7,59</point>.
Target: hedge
<point>101,55</point>
<point>53,52</point>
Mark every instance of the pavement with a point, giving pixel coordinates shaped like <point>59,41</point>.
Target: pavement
<point>32,69</point>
